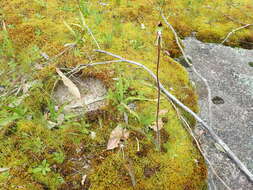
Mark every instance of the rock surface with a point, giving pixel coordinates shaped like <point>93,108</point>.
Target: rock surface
<point>230,77</point>
<point>93,93</point>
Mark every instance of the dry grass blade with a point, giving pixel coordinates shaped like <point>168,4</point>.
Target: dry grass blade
<point>4,169</point>
<point>68,83</point>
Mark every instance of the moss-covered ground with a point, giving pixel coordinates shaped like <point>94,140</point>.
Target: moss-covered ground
<point>39,156</point>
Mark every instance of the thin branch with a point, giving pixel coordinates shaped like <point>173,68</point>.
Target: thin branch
<point>83,66</point>
<point>193,68</point>
<point>229,152</point>
<point>235,30</point>
<point>188,128</point>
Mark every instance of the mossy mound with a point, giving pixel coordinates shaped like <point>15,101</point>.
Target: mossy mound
<point>42,148</point>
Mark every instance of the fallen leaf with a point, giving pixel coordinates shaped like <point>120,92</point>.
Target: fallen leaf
<point>116,135</point>
<point>71,86</point>
<point>160,125</point>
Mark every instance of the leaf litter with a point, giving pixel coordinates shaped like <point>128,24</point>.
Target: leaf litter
<point>117,134</point>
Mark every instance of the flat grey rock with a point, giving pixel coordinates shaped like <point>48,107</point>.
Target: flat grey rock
<point>230,77</point>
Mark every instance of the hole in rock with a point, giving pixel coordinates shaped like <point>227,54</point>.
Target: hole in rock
<point>218,100</point>
<point>93,95</point>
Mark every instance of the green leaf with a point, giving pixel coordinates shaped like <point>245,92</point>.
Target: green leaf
<point>36,170</point>
<point>70,28</point>
<point>6,121</point>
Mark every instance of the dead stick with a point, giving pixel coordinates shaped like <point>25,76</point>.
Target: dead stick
<point>209,95</point>
<point>202,151</point>
<point>235,30</point>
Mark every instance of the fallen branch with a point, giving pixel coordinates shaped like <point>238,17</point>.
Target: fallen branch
<point>82,66</point>
<point>235,30</point>
<point>193,68</point>
<point>230,153</point>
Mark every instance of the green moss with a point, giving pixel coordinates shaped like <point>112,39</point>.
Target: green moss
<point>127,28</point>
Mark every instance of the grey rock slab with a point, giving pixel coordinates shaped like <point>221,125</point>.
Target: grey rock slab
<point>230,77</point>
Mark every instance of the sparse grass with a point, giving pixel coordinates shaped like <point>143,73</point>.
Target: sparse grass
<point>26,140</point>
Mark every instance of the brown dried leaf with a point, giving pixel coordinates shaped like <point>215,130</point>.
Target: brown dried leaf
<point>116,135</point>
<point>71,86</point>
<point>160,125</point>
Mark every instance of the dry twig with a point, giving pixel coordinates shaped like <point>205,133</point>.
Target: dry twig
<point>193,68</point>
<point>188,128</point>
<point>235,30</point>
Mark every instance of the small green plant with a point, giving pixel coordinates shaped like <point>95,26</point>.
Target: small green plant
<point>43,168</point>
<point>54,114</point>
<point>137,44</point>
<point>67,8</point>
<point>147,119</point>
<point>117,27</point>
<point>42,3</point>
<point>9,114</point>
<point>118,2</point>
<point>38,32</point>
<point>82,29</point>
<point>121,97</point>
<point>98,18</point>
<point>58,157</point>
<point>85,8</point>
<point>34,144</point>
<point>6,46</point>
<point>107,40</point>
<point>39,16</point>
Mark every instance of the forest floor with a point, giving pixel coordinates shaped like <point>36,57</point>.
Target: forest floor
<point>44,146</point>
